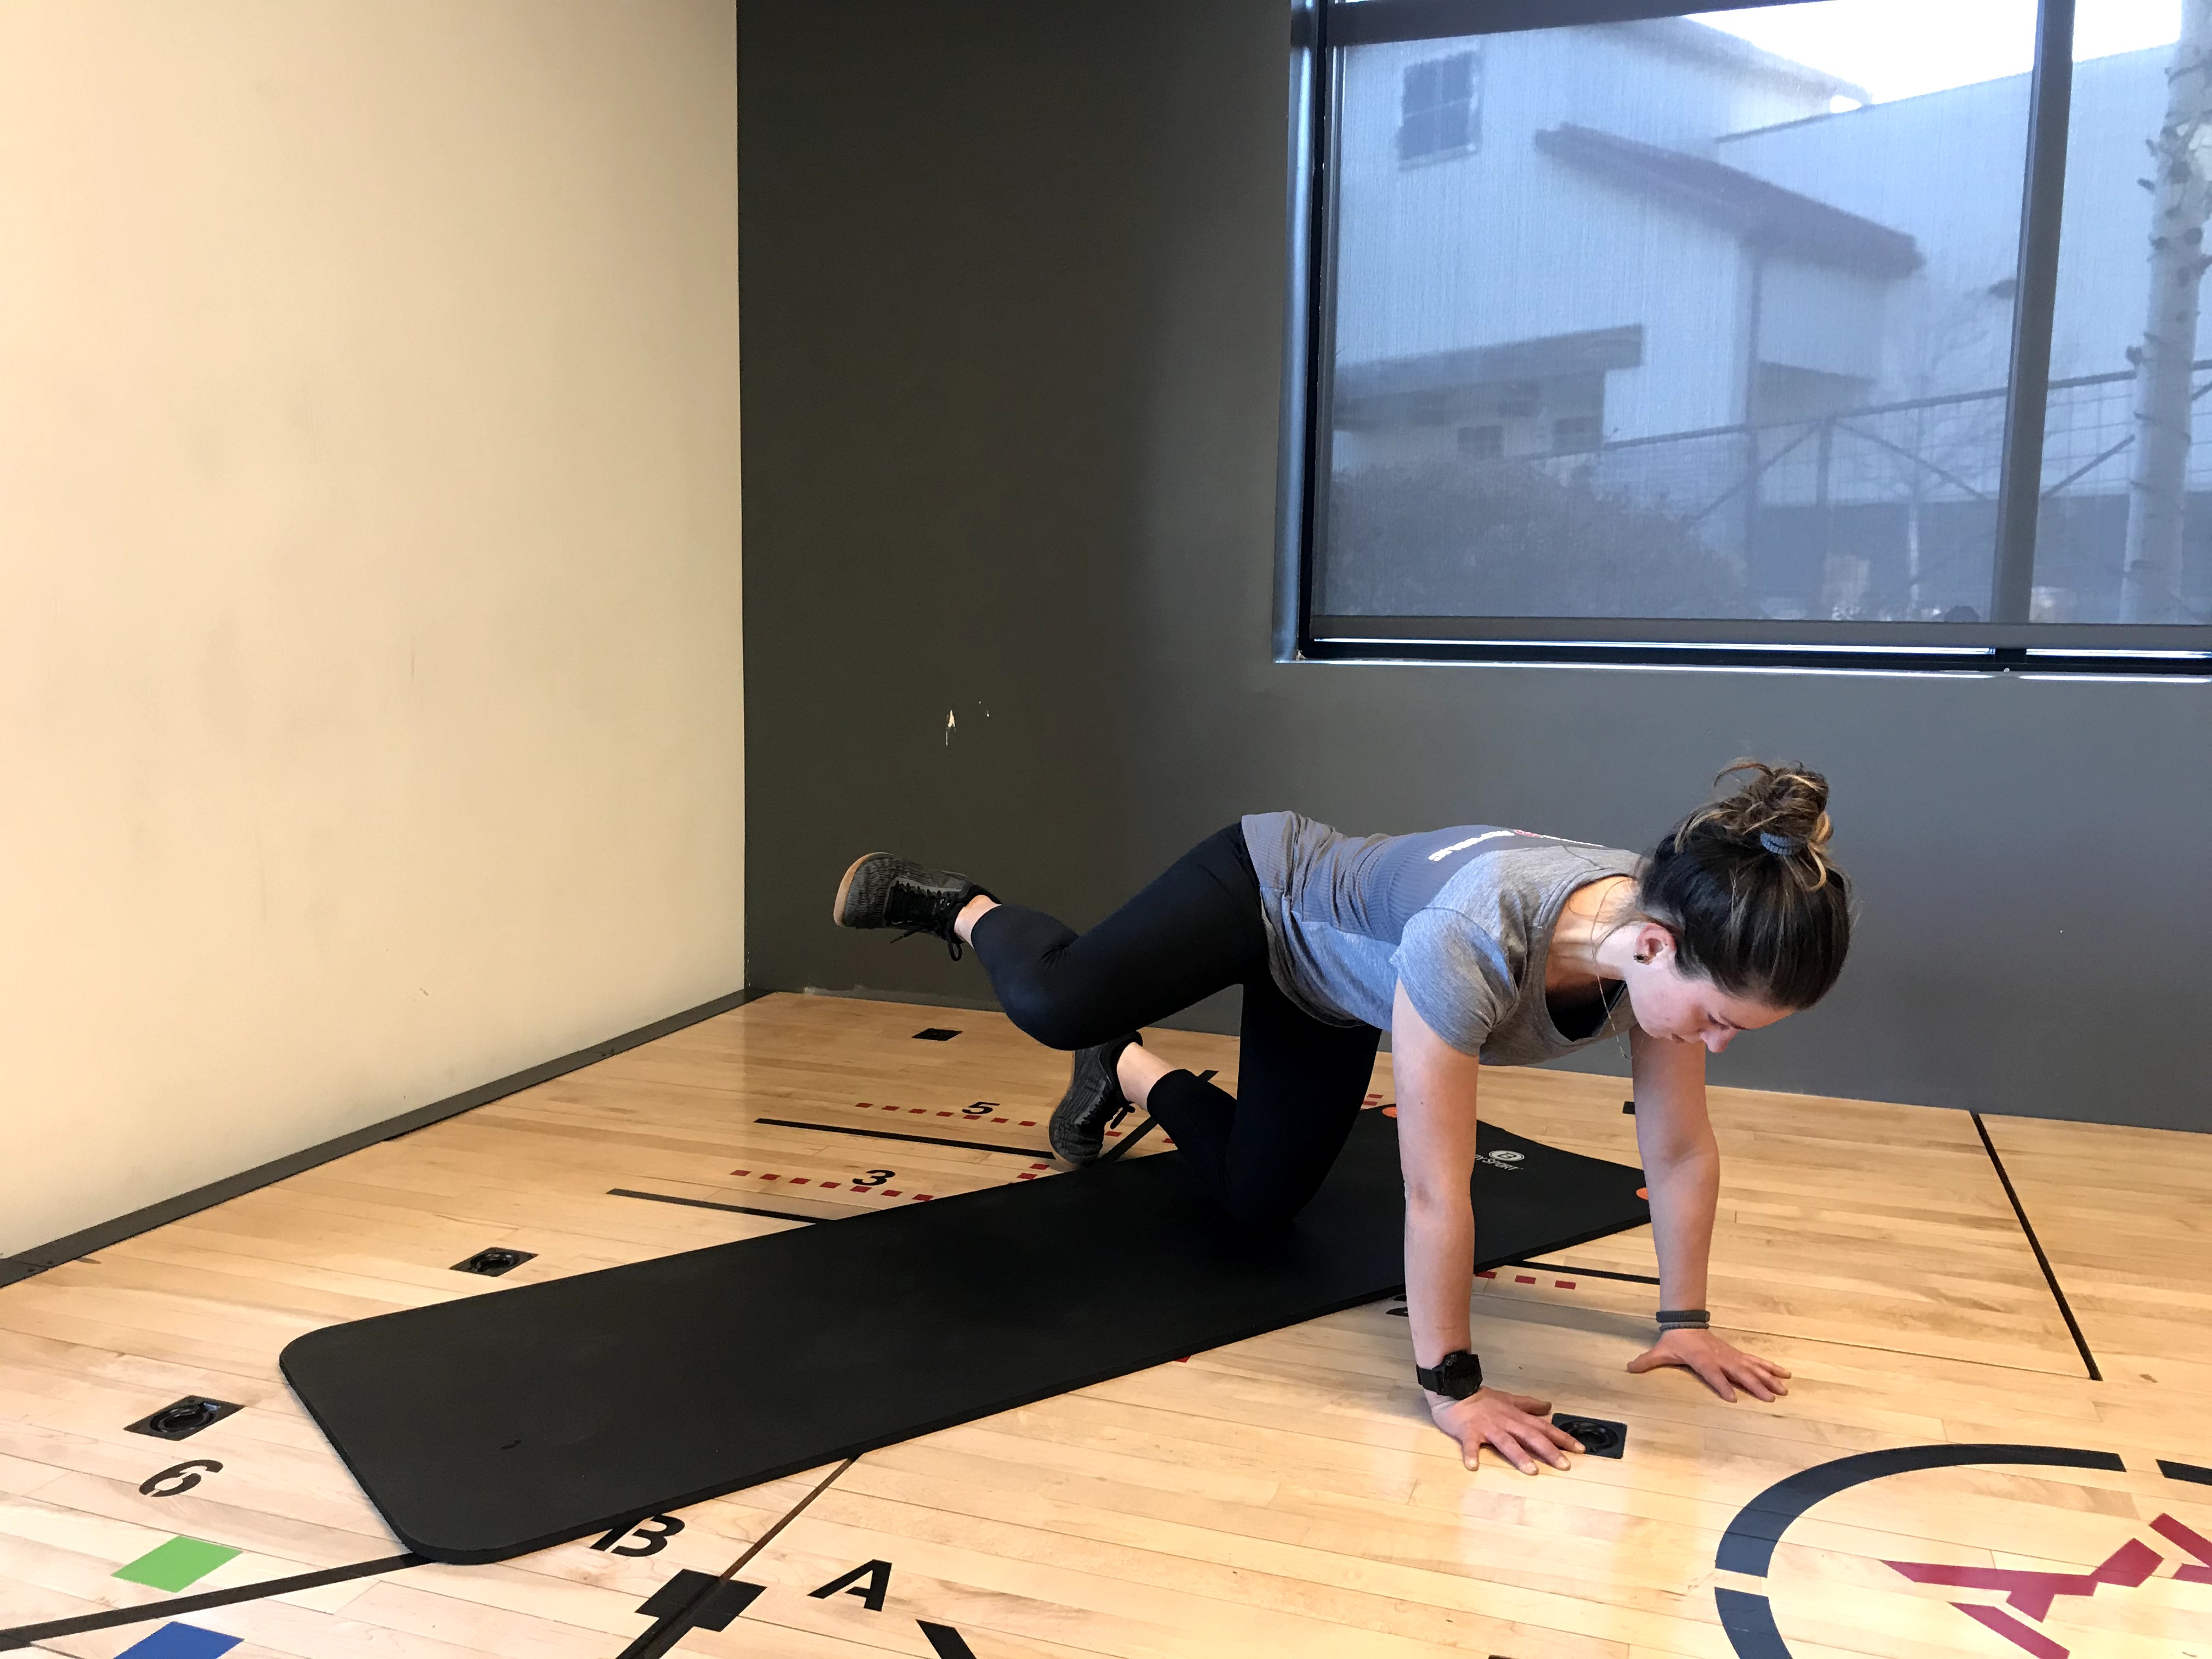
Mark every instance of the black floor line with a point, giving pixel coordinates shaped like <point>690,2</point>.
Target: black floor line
<point>24,1635</point>
<point>2049,1277</point>
<point>894,1134</point>
<point>1044,1155</point>
<point>673,1628</point>
<point>1586,1273</point>
<point>1129,1141</point>
<point>709,1204</point>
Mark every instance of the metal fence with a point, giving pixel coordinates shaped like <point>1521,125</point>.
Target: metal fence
<point>1888,511</point>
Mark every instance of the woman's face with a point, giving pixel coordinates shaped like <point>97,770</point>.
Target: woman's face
<point>1682,1007</point>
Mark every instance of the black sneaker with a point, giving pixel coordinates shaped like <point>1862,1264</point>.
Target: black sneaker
<point>1093,1103</point>
<point>881,890</point>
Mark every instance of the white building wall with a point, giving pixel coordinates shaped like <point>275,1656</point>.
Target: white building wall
<point>1508,244</point>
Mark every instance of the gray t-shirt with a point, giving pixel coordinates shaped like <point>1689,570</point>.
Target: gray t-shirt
<point>1463,917</point>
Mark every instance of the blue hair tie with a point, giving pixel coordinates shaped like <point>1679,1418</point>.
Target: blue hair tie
<point>1782,847</point>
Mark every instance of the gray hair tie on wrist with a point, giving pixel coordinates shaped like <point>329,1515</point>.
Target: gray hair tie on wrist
<point>1782,847</point>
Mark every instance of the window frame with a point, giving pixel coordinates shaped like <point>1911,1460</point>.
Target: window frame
<point>2008,642</point>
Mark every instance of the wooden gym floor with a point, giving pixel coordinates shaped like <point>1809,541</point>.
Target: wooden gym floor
<point>1284,1496</point>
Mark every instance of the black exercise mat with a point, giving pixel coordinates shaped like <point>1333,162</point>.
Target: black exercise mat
<point>499,1423</point>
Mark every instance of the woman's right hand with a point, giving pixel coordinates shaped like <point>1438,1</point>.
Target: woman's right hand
<point>1513,1425</point>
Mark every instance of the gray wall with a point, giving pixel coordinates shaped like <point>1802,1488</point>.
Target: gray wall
<point>1012,319</point>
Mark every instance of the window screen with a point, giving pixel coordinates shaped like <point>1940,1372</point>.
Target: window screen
<point>1756,330</point>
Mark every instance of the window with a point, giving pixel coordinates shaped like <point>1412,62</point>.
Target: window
<point>1570,433</point>
<point>1440,111</point>
<point>1765,334</point>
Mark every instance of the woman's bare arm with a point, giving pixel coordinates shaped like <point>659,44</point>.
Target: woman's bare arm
<point>1682,1171</point>
<point>1435,1086</point>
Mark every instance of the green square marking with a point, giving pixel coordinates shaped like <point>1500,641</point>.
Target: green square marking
<point>173,1566</point>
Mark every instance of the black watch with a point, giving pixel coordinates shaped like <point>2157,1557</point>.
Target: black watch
<point>1455,1376</point>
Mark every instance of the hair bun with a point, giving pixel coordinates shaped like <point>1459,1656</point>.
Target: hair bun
<point>1780,809</point>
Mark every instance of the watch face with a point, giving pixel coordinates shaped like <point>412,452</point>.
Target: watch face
<point>1458,1375</point>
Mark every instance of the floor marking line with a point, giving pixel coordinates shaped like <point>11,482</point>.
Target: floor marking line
<point>948,1642</point>
<point>769,1537</point>
<point>671,1627</point>
<point>2050,1277</point>
<point>1129,1140</point>
<point>1587,1272</point>
<point>1748,1544</point>
<point>24,1635</point>
<point>892,1134</point>
<point>709,1204</point>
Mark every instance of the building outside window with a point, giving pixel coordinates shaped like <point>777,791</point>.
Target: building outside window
<point>1705,333</point>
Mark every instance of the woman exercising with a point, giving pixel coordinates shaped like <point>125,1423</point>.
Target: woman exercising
<point>1474,946</point>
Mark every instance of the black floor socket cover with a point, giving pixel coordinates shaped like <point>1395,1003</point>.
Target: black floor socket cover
<point>504,1423</point>
<point>935,1034</point>
<point>493,1262</point>
<point>182,1418</point>
<point>1600,1436</point>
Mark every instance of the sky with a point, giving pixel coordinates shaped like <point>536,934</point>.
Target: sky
<point>1898,48</point>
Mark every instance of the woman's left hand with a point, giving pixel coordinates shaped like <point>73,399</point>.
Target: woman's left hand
<point>1722,1368</point>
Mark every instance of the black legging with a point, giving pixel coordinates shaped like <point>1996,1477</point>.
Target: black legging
<point>1261,1152</point>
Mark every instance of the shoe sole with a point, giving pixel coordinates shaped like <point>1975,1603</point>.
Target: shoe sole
<point>845,886</point>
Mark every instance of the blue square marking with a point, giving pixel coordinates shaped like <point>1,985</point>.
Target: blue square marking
<point>181,1642</point>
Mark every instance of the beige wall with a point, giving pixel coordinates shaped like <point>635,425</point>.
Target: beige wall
<point>369,675</point>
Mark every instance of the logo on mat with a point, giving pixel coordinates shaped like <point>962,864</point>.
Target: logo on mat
<point>1505,1159</point>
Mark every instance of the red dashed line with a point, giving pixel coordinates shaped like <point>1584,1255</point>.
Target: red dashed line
<point>1026,1176</point>
<point>1486,1273</point>
<point>1563,1284</point>
<point>800,1181</point>
<point>998,1119</point>
<point>944,1114</point>
<point>916,1110</point>
<point>887,1192</point>
<point>769,1177</point>
<point>1027,1122</point>
<point>1040,1166</point>
<point>741,1172</point>
<point>863,1104</point>
<point>1524,1279</point>
<point>922,1198</point>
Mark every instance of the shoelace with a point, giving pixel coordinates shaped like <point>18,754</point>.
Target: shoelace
<point>951,943</point>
